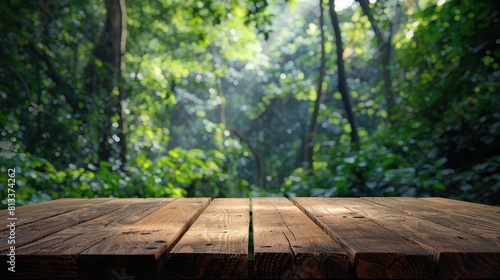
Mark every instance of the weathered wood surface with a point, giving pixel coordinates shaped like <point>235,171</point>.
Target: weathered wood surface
<point>35,212</point>
<point>457,204</point>
<point>481,223</point>
<point>456,254</point>
<point>140,247</point>
<point>287,244</point>
<point>161,238</point>
<point>216,245</point>
<point>81,212</point>
<point>374,251</point>
<point>129,237</point>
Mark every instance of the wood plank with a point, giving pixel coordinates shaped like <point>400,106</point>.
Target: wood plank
<point>140,249</point>
<point>457,254</point>
<point>76,239</point>
<point>452,207</point>
<point>42,205</point>
<point>485,225</point>
<point>38,266</point>
<point>56,255</point>
<point>216,245</point>
<point>439,202</point>
<point>287,244</point>
<point>374,251</point>
<point>33,231</point>
<point>36,212</point>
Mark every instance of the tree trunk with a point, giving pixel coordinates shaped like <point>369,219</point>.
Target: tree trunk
<point>258,158</point>
<point>309,147</point>
<point>103,73</point>
<point>346,97</point>
<point>384,55</point>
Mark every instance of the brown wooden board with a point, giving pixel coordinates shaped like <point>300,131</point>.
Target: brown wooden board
<point>33,231</point>
<point>458,204</point>
<point>56,255</point>
<point>42,205</point>
<point>35,212</point>
<point>216,245</point>
<point>36,232</point>
<point>485,225</point>
<point>457,254</point>
<point>288,245</point>
<point>139,249</point>
<point>453,206</point>
<point>374,251</point>
<point>131,240</point>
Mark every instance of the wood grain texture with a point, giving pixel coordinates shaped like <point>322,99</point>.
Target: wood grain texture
<point>483,212</point>
<point>457,254</point>
<point>139,249</point>
<point>374,251</point>
<point>36,212</point>
<point>31,232</point>
<point>288,245</point>
<point>310,238</point>
<point>483,224</point>
<point>56,255</point>
<point>216,245</point>
<point>463,204</point>
<point>458,204</point>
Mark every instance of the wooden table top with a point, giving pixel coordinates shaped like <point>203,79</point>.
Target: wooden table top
<point>239,238</point>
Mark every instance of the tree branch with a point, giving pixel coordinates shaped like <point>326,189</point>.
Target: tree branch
<point>346,98</point>
<point>309,145</point>
<point>260,168</point>
<point>365,6</point>
<point>51,72</point>
<point>384,55</point>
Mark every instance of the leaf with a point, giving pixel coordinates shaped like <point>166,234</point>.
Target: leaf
<point>173,154</point>
<point>440,162</point>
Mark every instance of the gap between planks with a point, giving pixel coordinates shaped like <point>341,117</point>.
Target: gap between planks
<point>216,244</point>
<point>289,245</point>
<point>374,251</point>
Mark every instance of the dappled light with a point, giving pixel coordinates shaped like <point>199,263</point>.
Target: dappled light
<point>227,98</point>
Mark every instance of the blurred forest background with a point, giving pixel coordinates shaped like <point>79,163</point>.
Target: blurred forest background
<point>227,98</point>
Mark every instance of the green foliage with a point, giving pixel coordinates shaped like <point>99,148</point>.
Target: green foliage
<point>181,172</point>
<point>199,71</point>
<point>445,138</point>
<point>385,168</point>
